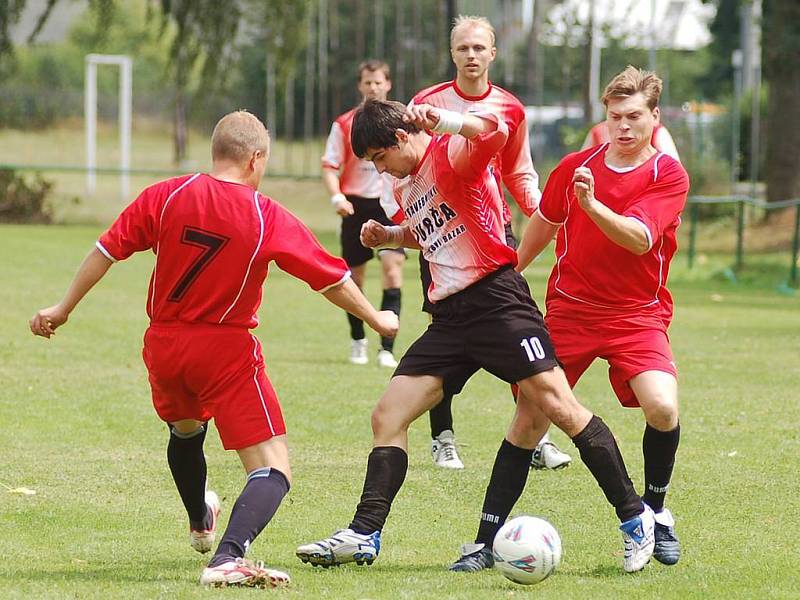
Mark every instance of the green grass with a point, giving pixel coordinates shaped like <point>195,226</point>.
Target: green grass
<point>106,522</point>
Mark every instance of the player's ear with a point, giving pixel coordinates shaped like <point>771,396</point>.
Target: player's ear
<point>401,135</point>
<point>657,114</point>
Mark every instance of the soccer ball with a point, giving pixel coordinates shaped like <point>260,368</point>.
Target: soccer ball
<point>527,550</point>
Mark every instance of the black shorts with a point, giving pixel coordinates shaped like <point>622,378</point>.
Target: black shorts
<point>425,272</point>
<point>364,209</point>
<point>494,324</point>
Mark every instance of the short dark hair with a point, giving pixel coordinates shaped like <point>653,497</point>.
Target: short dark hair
<point>373,65</point>
<point>375,124</point>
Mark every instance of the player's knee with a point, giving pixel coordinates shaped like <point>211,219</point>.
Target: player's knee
<point>661,411</point>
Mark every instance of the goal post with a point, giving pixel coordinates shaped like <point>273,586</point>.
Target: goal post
<point>90,112</point>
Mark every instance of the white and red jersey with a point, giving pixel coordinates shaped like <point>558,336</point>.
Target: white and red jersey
<point>594,276</point>
<point>356,177</point>
<point>452,205</point>
<point>513,165</point>
<point>213,242</point>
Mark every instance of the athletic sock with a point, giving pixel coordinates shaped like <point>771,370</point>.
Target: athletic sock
<point>386,471</point>
<point>509,474</point>
<point>187,463</point>
<point>356,327</point>
<point>600,453</point>
<point>441,416</point>
<point>254,508</point>
<point>390,301</point>
<point>659,449</point>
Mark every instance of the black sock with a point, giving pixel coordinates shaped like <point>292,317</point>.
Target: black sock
<point>390,301</point>
<point>599,451</point>
<point>509,474</point>
<point>386,471</point>
<point>356,327</point>
<point>187,463</point>
<point>441,416</point>
<point>254,508</point>
<point>659,449</point>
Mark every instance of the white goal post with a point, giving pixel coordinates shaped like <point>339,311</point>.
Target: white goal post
<point>90,113</point>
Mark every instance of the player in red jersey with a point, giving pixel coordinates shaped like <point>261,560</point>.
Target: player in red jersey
<point>485,318</point>
<point>661,139</point>
<point>213,236</point>
<point>355,189</point>
<point>472,48</point>
<point>616,208</point>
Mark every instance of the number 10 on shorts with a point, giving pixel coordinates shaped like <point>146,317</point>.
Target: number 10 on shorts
<point>533,348</point>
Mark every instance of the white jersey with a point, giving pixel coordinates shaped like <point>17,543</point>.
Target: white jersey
<point>452,205</point>
<point>357,177</point>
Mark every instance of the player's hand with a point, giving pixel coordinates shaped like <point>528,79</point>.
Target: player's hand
<point>387,323</point>
<point>583,184</point>
<point>344,208</point>
<point>373,234</point>
<point>46,321</point>
<point>423,116</point>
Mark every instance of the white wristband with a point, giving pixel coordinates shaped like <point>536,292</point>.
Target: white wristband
<point>449,122</point>
<point>395,235</point>
<point>336,198</point>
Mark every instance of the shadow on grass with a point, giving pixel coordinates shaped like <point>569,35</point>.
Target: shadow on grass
<point>162,570</point>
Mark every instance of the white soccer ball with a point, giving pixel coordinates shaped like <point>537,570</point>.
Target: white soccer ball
<point>527,550</point>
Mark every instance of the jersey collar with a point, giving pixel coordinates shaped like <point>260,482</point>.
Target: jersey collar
<point>416,169</point>
<point>461,93</point>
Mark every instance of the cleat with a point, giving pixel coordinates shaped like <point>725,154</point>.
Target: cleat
<point>358,352</point>
<point>547,456</point>
<point>203,540</point>
<point>474,557</point>
<point>245,573</point>
<point>638,538</point>
<point>444,452</point>
<point>667,548</point>
<point>386,359</point>
<point>344,546</point>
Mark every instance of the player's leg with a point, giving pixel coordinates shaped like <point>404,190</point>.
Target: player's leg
<point>546,455</point>
<point>657,393</point>
<point>405,399</point>
<point>268,480</point>
<point>187,463</point>
<point>599,452</point>
<point>356,256</point>
<point>391,282</point>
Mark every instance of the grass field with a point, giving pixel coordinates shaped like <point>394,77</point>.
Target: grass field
<point>106,522</point>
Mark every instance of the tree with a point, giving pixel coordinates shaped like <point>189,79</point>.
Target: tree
<point>781,59</point>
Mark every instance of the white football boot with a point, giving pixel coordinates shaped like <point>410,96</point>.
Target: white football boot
<point>444,451</point>
<point>243,572</point>
<point>358,352</point>
<point>638,536</point>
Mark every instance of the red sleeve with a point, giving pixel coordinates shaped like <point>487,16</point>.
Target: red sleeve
<point>295,250</point>
<point>471,156</point>
<point>662,202</point>
<point>517,172</point>
<point>135,229</point>
<point>555,197</point>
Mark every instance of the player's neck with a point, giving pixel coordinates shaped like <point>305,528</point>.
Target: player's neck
<point>615,158</point>
<point>233,174</point>
<point>473,87</point>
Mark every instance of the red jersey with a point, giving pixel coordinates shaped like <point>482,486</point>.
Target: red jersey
<point>452,205</point>
<point>357,177</point>
<point>513,165</point>
<point>595,276</point>
<point>213,242</point>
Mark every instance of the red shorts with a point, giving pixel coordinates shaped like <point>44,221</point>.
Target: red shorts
<point>629,350</point>
<point>213,371</point>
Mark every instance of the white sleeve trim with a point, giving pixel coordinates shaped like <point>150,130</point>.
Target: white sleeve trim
<point>538,212</point>
<point>646,231</point>
<point>333,285</point>
<point>105,252</point>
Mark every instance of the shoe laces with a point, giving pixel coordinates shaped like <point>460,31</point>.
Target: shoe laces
<point>448,449</point>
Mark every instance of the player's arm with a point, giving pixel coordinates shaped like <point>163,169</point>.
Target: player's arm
<point>91,270</point>
<point>518,173</point>
<point>347,296</point>
<point>332,159</point>
<point>537,235</point>
<point>377,235</point>
<point>440,120</point>
<point>666,144</point>
<point>626,232</point>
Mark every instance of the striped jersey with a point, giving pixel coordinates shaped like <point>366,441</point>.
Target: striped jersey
<point>513,165</point>
<point>356,177</point>
<point>213,242</point>
<point>452,205</point>
<point>594,275</point>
